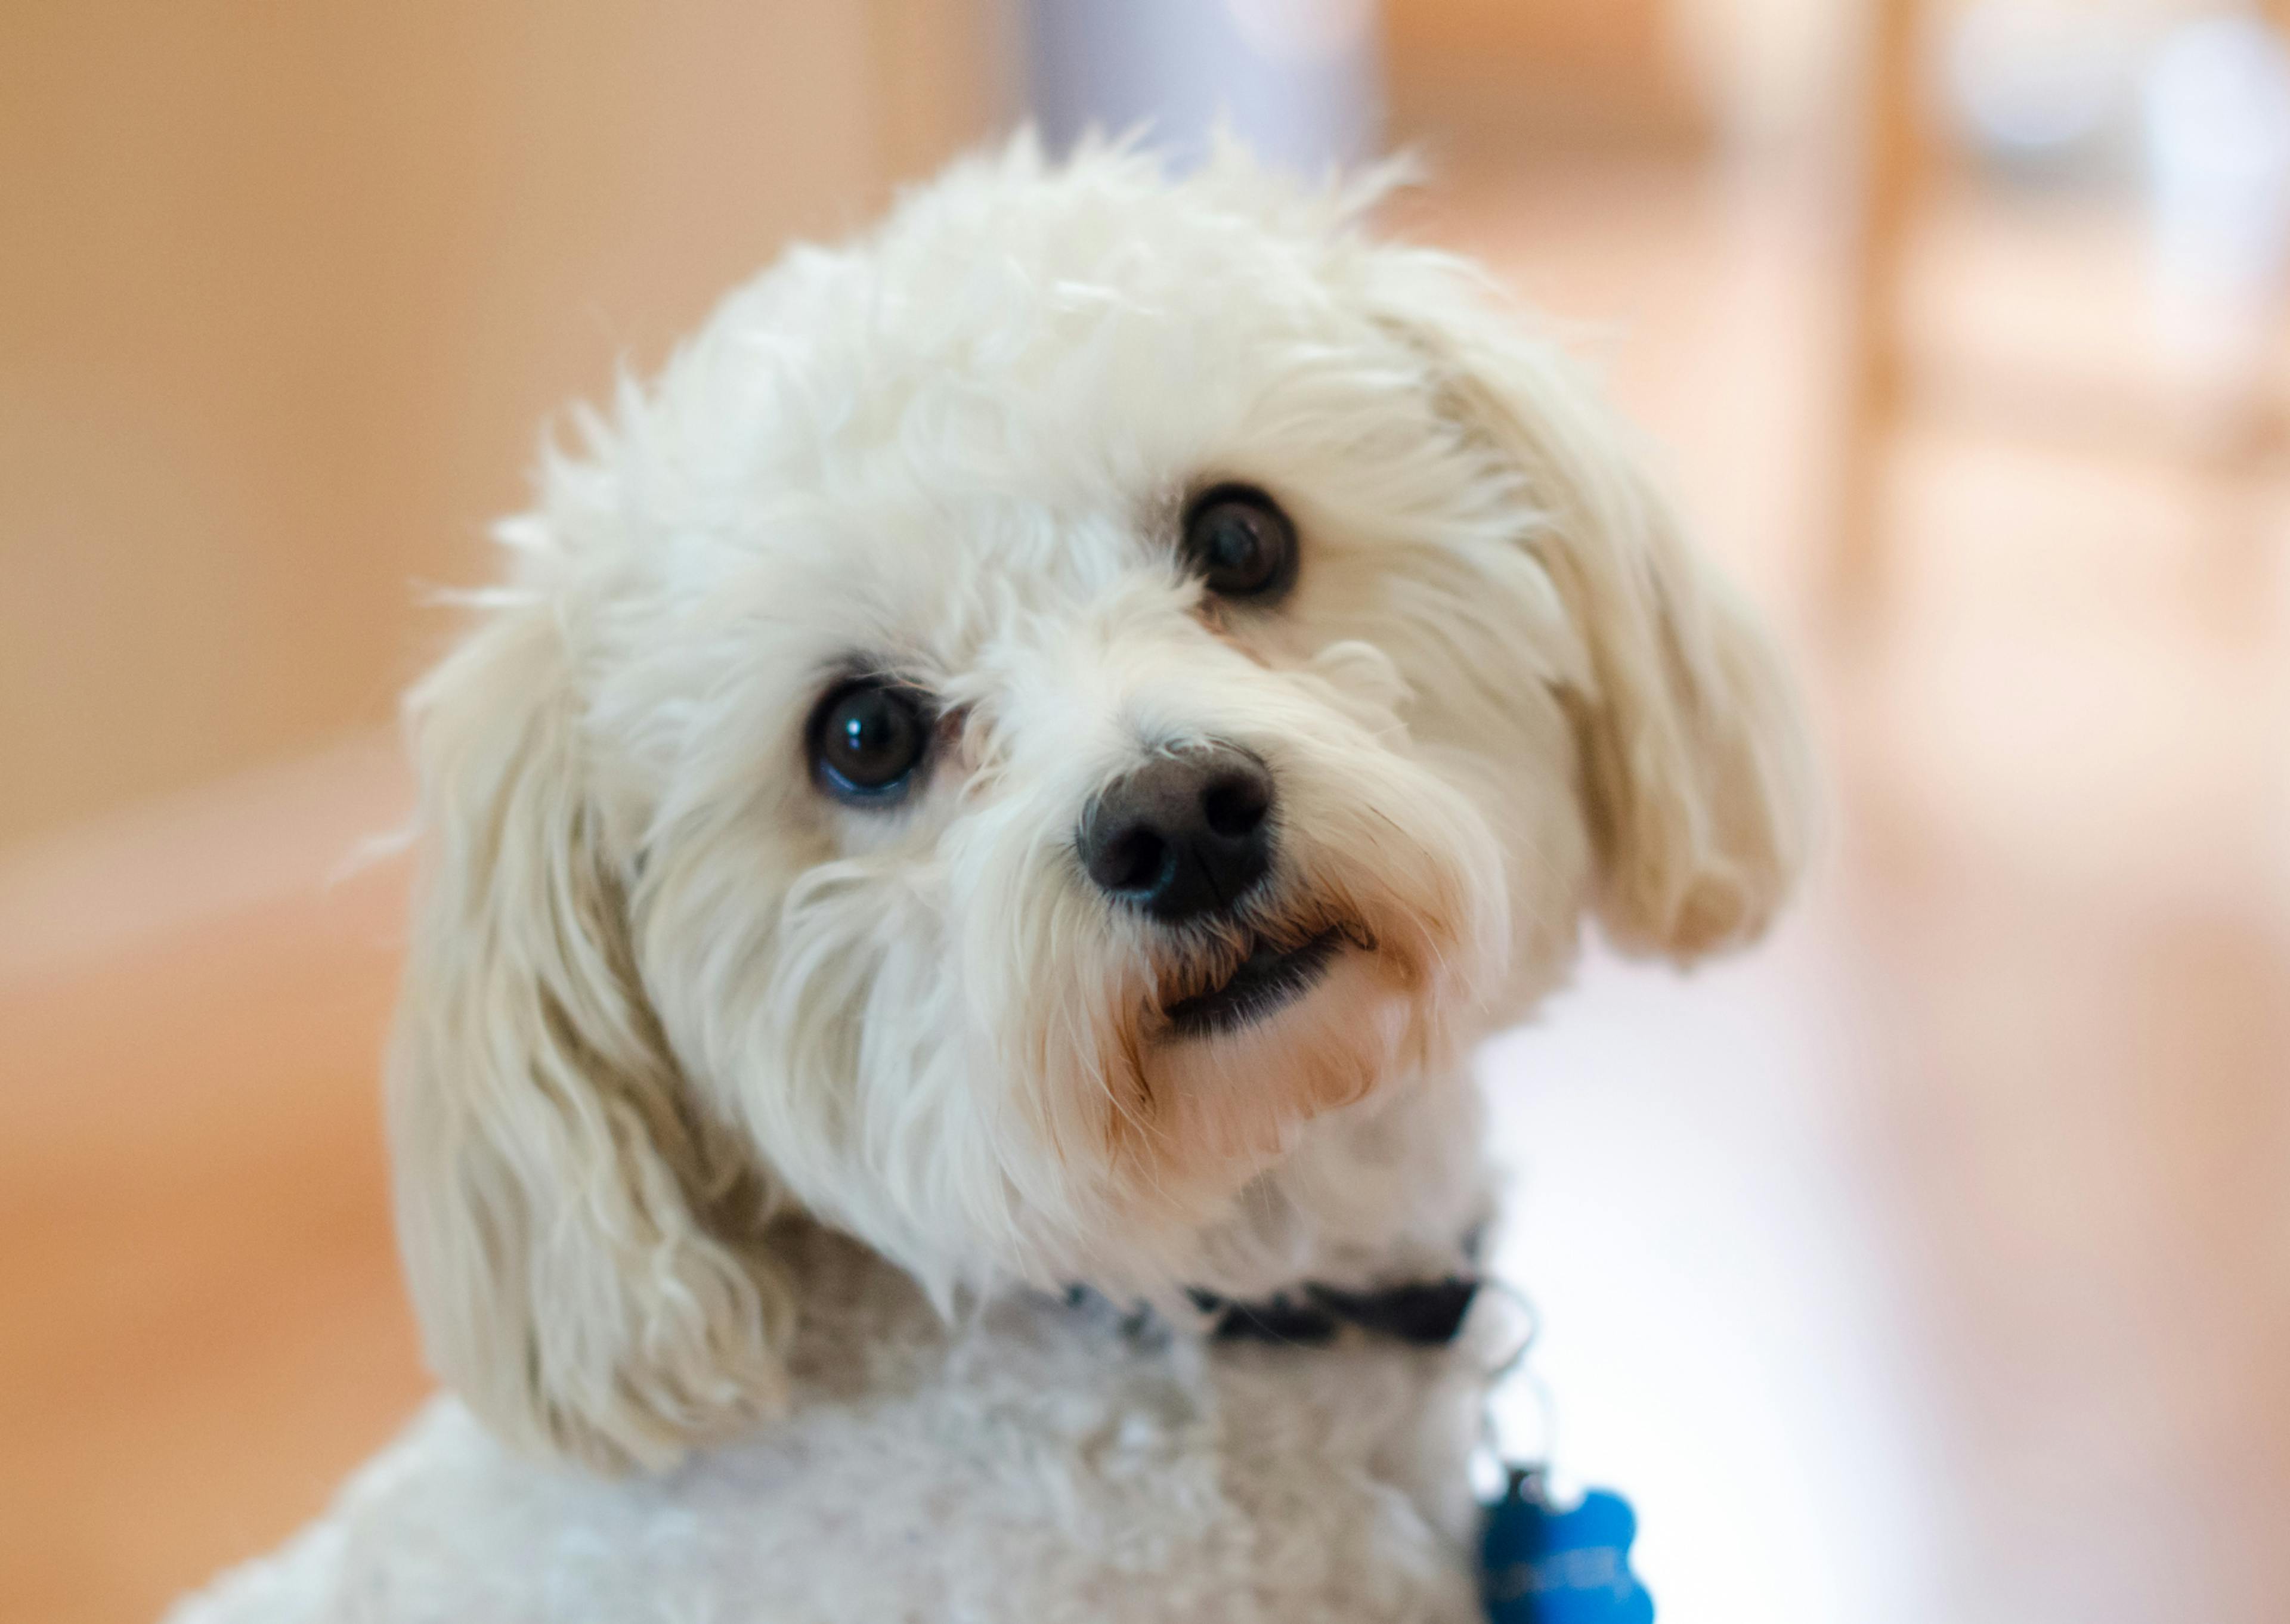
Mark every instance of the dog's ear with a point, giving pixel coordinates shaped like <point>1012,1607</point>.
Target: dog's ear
<point>553,1186</point>
<point>1692,744</point>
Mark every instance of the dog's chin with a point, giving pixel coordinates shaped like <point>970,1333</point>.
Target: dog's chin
<point>1287,1035</point>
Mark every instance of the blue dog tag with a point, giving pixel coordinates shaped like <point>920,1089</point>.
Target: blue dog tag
<point>1541,1566</point>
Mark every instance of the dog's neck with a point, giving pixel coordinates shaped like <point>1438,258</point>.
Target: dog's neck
<point>1390,1190</point>
<point>1380,1201</point>
<point>1374,1222</point>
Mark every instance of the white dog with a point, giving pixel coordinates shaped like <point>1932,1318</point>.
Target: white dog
<point>964,871</point>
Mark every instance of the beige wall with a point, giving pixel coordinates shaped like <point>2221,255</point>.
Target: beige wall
<point>286,291</point>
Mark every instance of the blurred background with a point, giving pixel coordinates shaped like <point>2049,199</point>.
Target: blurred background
<point>1932,1263</point>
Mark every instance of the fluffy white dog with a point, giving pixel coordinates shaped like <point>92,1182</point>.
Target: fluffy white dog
<point>964,870</point>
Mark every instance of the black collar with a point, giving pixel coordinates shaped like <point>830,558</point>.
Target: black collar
<point>1420,1312</point>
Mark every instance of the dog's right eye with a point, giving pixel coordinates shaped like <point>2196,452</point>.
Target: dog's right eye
<point>867,738</point>
<point>1240,543</point>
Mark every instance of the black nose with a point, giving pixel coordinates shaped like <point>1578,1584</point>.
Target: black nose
<point>1182,835</point>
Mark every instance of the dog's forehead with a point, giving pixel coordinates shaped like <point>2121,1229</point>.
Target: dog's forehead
<point>1038,338</point>
<point>962,433</point>
<point>1008,390</point>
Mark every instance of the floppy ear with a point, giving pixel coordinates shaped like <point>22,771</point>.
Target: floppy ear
<point>1692,745</point>
<point>554,1185</point>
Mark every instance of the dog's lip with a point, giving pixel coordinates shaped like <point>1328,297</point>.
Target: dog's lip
<point>1269,979</point>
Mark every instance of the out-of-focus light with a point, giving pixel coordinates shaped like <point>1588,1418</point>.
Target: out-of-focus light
<point>1303,30</point>
<point>2034,78</point>
<point>2217,134</point>
<point>2218,152</point>
<point>1296,81</point>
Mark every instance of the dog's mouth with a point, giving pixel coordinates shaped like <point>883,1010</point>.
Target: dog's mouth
<point>1271,978</point>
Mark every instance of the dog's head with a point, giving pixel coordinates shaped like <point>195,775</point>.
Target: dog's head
<point>1028,715</point>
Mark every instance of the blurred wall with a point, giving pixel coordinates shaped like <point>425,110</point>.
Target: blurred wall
<point>287,291</point>
<point>1555,70</point>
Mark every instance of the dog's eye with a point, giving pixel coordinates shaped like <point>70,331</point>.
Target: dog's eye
<point>1240,543</point>
<point>867,738</point>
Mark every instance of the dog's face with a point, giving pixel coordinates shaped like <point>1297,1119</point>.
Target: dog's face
<point>1029,716</point>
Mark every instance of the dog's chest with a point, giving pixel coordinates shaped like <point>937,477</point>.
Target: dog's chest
<point>1036,1464</point>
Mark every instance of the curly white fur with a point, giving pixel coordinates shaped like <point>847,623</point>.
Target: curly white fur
<point>728,1117</point>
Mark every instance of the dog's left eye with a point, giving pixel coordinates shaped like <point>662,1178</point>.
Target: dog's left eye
<point>1240,543</point>
<point>867,738</point>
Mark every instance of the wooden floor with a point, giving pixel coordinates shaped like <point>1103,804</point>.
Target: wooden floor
<point>1934,1261</point>
<point>1932,1264</point>
<point>204,1327</point>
